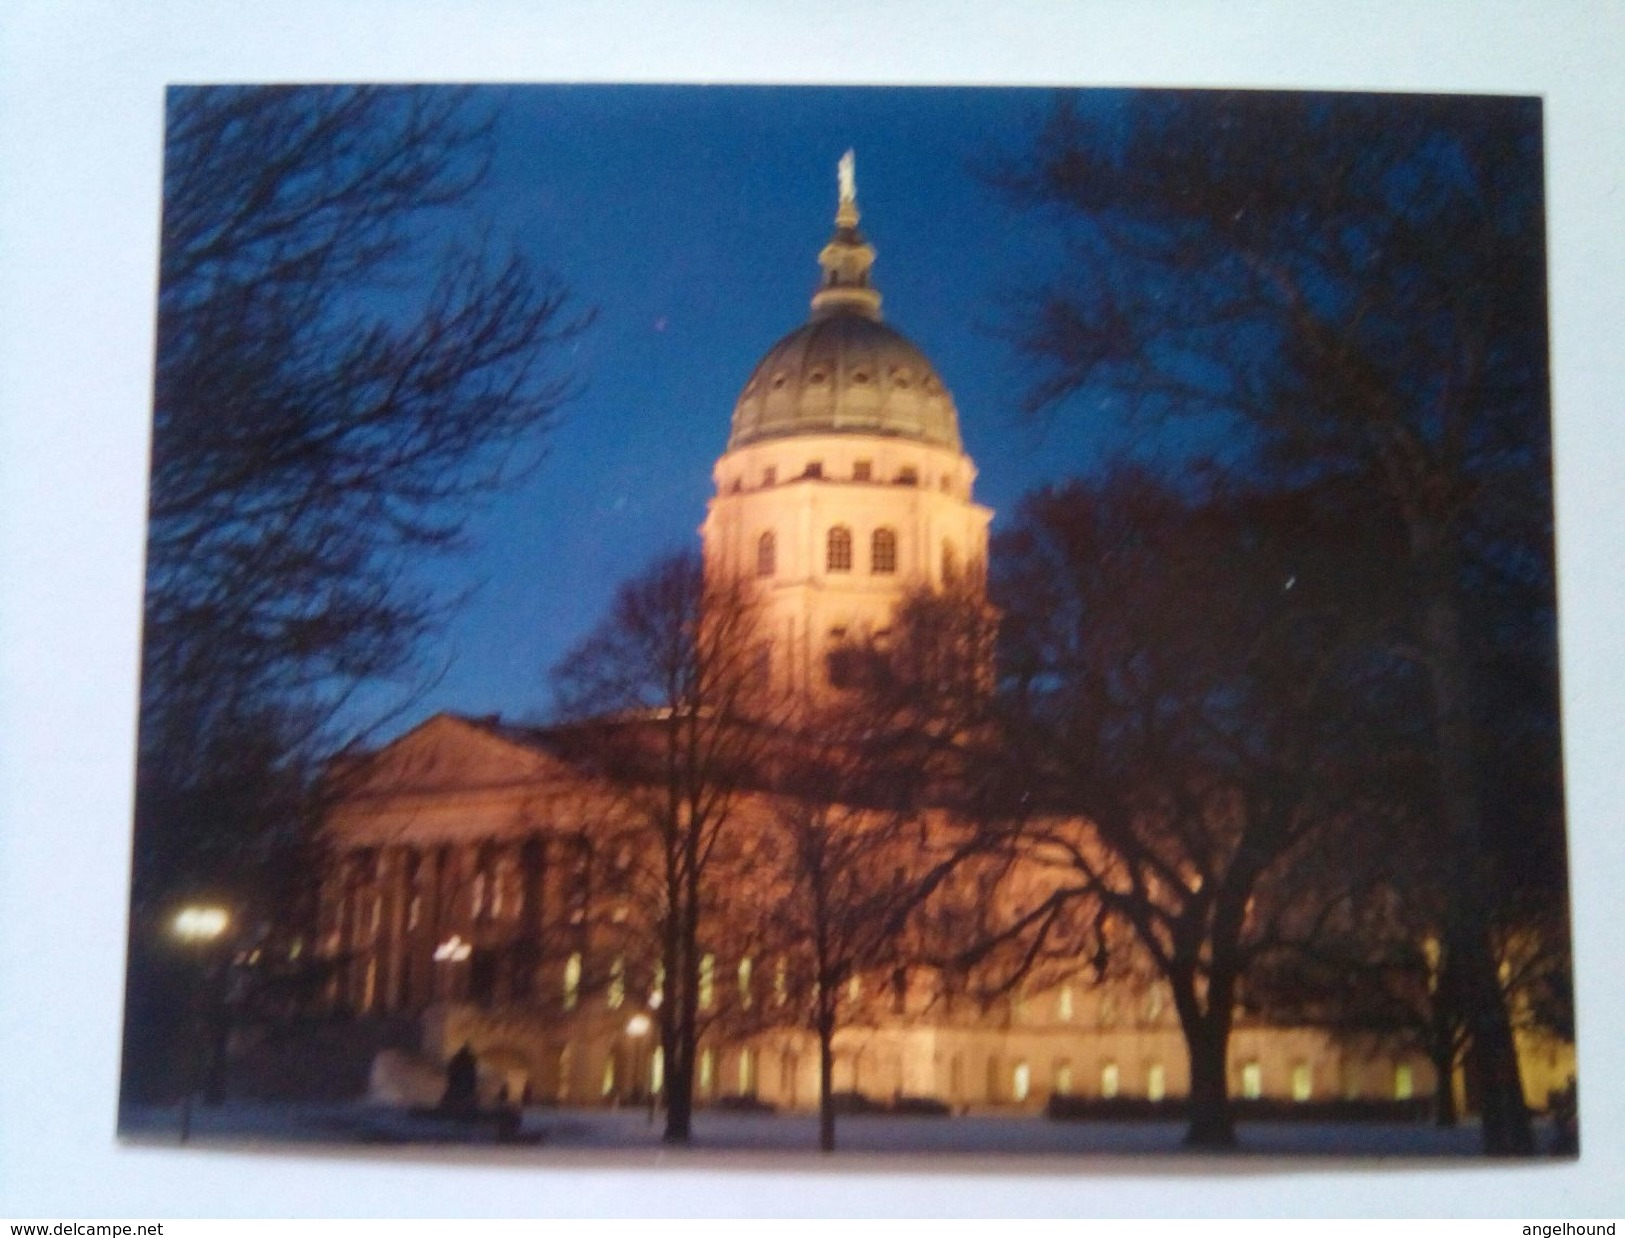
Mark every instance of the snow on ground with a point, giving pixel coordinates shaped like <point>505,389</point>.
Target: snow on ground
<point>240,1122</point>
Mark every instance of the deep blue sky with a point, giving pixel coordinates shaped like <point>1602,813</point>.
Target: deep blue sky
<point>691,219</point>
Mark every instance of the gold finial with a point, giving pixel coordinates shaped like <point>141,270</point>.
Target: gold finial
<point>846,214</point>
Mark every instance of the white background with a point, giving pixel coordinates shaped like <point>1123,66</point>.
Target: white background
<point>81,97</point>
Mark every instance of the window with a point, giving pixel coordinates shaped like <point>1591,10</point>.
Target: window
<point>708,1071</point>
<point>908,477</point>
<point>770,476</point>
<point>814,469</point>
<point>708,980</point>
<point>1404,1082</point>
<point>883,552</point>
<point>414,912</point>
<point>1156,1082</point>
<point>854,988</point>
<point>608,1085</point>
<point>1021,1082</point>
<point>747,1072</point>
<point>1063,1078</point>
<point>838,557</point>
<point>950,563</point>
<point>1252,1080</point>
<point>572,981</point>
<point>477,908</point>
<point>1303,1084</point>
<point>744,983</point>
<point>781,981</point>
<point>1109,1080</point>
<point>617,983</point>
<point>657,1069</point>
<point>767,555</point>
<point>1063,1004</point>
<point>863,470</point>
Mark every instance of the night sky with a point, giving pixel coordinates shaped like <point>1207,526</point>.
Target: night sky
<point>690,218</point>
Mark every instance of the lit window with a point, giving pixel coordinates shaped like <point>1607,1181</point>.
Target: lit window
<point>1302,1081</point>
<point>1109,1079</point>
<point>608,1085</point>
<point>657,991</point>
<point>708,980</point>
<point>1156,1082</point>
<point>1252,1080</point>
<point>572,981</point>
<point>862,471</point>
<point>1063,1004</point>
<point>744,983</point>
<point>1021,1081</point>
<point>1404,1082</point>
<point>617,983</point>
<point>708,1067</point>
<point>781,981</point>
<point>767,555</point>
<point>747,1072</point>
<point>479,896</point>
<point>839,555</point>
<point>1063,1078</point>
<point>414,912</point>
<point>657,1069</point>
<point>854,988</point>
<point>883,552</point>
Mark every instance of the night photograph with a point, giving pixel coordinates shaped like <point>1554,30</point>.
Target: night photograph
<point>850,619</point>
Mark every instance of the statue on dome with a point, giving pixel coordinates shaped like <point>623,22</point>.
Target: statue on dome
<point>848,173</point>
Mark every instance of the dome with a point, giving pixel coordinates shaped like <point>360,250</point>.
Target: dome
<point>845,373</point>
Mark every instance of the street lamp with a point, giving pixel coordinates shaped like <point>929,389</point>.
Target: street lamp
<point>198,927</point>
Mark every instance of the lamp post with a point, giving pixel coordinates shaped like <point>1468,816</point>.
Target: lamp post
<point>198,928</point>
<point>637,1027</point>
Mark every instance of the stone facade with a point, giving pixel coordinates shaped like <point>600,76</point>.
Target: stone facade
<point>484,880</point>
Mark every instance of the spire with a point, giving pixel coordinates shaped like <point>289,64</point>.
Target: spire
<point>846,260</point>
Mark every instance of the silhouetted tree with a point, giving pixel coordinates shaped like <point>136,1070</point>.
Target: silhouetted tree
<point>333,388</point>
<point>1343,289</point>
<point>1193,706</point>
<point>669,694</point>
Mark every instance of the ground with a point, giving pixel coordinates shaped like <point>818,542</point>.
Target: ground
<point>629,1130</point>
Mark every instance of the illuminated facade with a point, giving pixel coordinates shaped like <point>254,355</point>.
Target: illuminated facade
<point>485,879</point>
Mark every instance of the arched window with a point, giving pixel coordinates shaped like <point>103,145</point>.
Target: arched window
<point>883,552</point>
<point>839,556</point>
<point>767,554</point>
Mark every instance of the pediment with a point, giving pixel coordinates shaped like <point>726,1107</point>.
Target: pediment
<point>449,753</point>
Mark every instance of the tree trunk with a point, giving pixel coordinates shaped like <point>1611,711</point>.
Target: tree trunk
<point>1493,1055</point>
<point>679,1099</point>
<point>826,1077</point>
<point>1444,1091</point>
<point>1212,1121</point>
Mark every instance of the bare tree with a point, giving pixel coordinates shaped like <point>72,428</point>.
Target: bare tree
<point>334,388</point>
<point>670,690</point>
<point>1195,725</point>
<point>1352,287</point>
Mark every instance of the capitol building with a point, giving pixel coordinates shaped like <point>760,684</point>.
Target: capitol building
<point>483,874</point>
